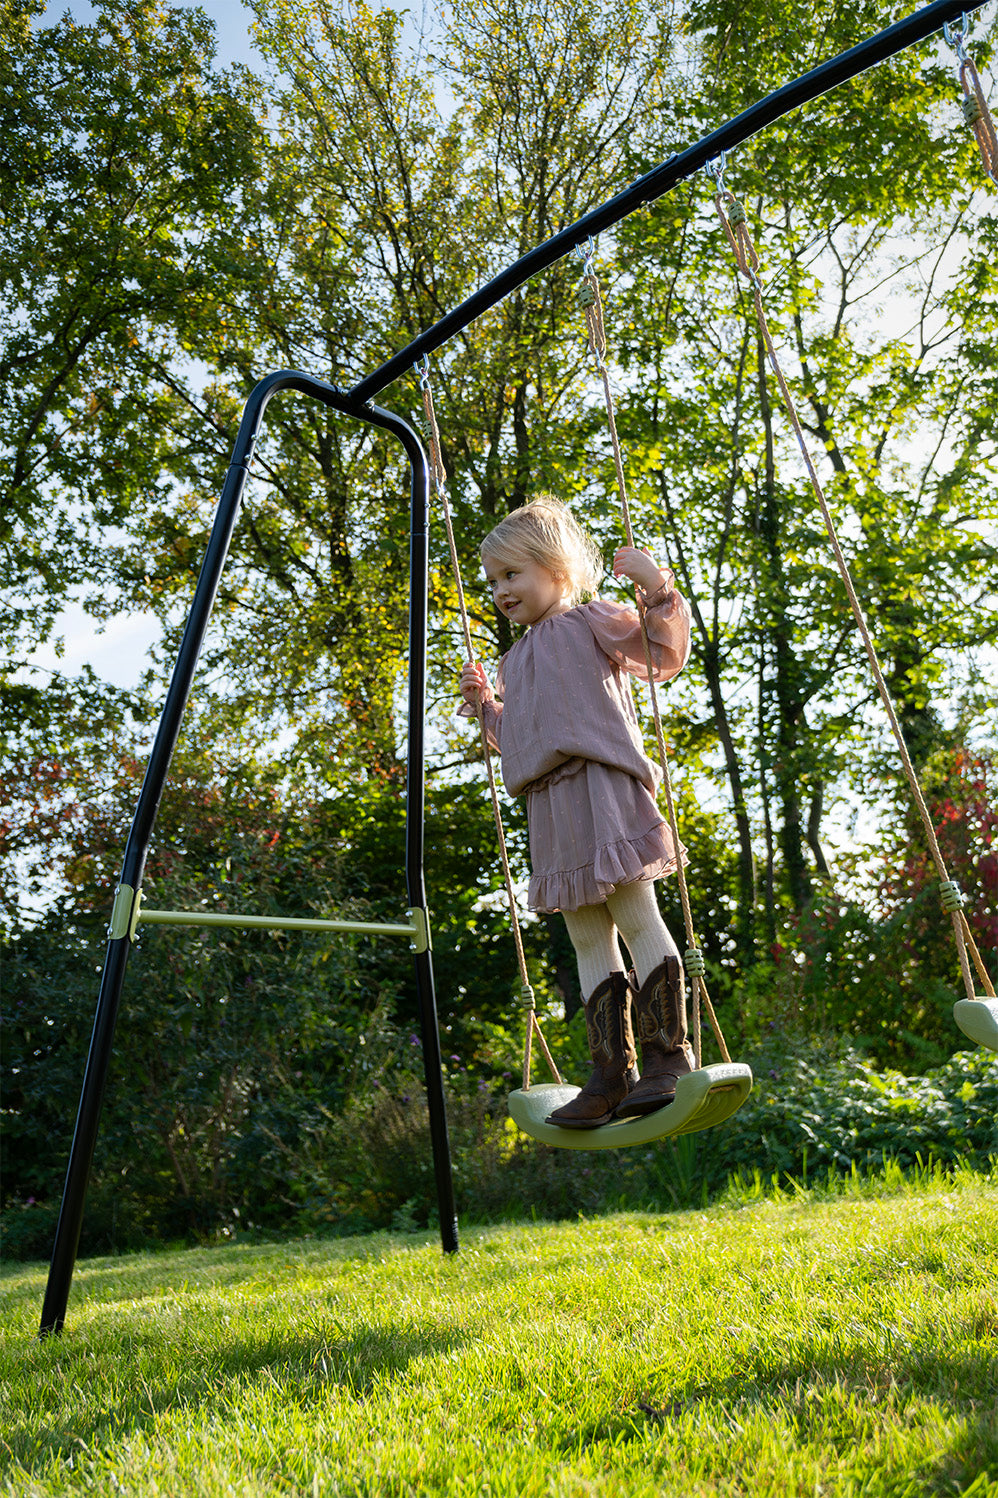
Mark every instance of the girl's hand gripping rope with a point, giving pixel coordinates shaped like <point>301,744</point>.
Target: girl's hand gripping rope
<point>641,569</point>
<point>475,685</point>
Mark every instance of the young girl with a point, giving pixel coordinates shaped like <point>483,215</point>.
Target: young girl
<point>565,726</point>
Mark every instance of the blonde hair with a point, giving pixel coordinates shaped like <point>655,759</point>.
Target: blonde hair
<point>545,531</point>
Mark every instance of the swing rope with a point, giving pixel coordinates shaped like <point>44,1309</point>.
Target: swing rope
<point>733,220</point>
<point>526,993</point>
<point>590,300</point>
<point>976,113</point>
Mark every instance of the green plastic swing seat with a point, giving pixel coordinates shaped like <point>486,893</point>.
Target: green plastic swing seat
<point>703,1099</point>
<point>978,1019</point>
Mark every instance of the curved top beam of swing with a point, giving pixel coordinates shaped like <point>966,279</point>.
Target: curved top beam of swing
<point>656,183</point>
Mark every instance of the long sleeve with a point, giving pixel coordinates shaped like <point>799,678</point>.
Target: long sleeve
<point>617,631</point>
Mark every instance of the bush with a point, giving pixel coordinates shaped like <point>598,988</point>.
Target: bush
<point>809,1114</point>
<point>346,1147</point>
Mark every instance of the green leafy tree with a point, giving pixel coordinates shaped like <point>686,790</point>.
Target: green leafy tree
<point>899,411</point>
<point>377,210</point>
<point>393,181</point>
<point>120,147</point>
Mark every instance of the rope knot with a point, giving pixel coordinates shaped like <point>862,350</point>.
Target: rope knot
<point>585,294</point>
<point>694,963</point>
<point>525,996</point>
<point>736,214</point>
<point>950,896</point>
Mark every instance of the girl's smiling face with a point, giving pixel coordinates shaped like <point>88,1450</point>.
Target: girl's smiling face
<point>525,591</point>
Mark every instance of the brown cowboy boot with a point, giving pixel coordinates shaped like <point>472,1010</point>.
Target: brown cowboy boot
<point>660,1021</point>
<point>611,1045</point>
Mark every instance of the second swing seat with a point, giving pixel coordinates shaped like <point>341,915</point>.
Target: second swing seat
<point>978,1019</point>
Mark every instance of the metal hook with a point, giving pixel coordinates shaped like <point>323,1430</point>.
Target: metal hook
<point>423,370</point>
<point>955,38</point>
<point>587,255</point>
<point>715,168</point>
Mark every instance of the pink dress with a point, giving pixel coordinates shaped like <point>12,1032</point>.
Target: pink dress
<point>570,742</point>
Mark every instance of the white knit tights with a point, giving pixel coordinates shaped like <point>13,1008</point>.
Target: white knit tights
<point>632,911</point>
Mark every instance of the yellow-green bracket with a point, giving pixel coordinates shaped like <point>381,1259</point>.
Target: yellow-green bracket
<point>127,912</point>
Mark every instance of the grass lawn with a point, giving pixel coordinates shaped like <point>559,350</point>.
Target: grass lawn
<point>820,1344</point>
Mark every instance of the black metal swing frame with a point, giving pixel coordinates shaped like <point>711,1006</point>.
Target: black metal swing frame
<point>357,404</point>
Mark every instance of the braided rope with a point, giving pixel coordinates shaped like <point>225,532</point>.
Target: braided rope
<point>978,116</point>
<point>591,301</point>
<point>526,998</point>
<point>732,216</point>
<point>982,971</point>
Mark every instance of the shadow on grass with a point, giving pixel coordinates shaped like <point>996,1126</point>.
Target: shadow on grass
<point>305,1367</point>
<point>829,1396</point>
<point>107,1278</point>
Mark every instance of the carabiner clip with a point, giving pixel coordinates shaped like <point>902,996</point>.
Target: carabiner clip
<point>587,254</point>
<point>715,168</point>
<point>956,39</point>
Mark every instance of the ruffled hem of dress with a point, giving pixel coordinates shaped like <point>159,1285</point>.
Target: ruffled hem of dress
<point>625,862</point>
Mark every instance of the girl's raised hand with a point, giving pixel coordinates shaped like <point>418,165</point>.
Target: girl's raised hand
<point>475,685</point>
<point>640,568</point>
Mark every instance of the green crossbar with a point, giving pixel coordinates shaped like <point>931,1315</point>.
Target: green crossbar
<point>128,912</point>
